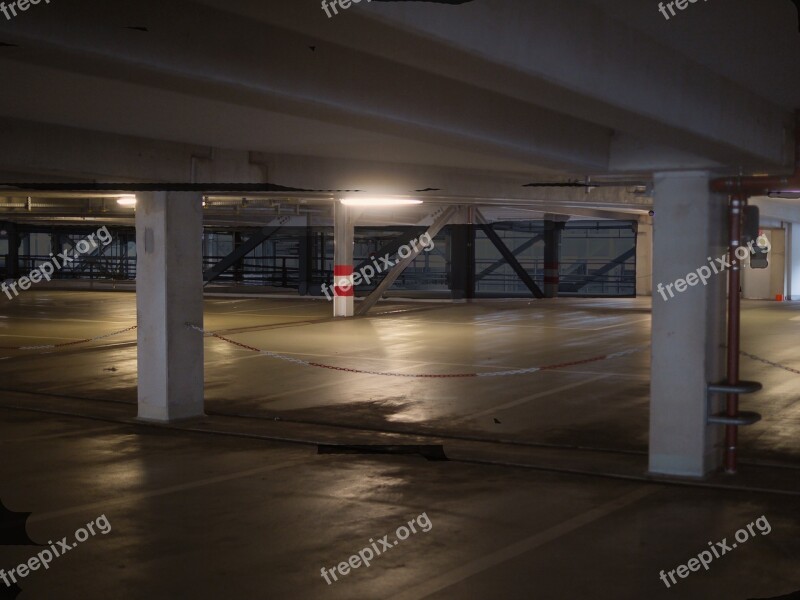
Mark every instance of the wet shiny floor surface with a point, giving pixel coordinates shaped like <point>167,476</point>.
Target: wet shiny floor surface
<point>599,404</point>
<point>202,515</point>
<point>207,517</point>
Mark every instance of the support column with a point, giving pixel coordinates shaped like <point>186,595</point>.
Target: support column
<point>305,265</point>
<point>644,259</point>
<point>552,257</point>
<point>343,238</point>
<point>688,326</point>
<point>238,266</point>
<point>56,247</point>
<point>12,259</point>
<point>169,294</point>
<point>462,261</point>
<point>124,270</point>
<point>793,261</point>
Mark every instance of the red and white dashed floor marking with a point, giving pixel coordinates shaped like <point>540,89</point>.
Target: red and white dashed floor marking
<point>299,361</point>
<point>414,375</point>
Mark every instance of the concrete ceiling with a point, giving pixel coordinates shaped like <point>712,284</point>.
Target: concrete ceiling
<point>473,100</point>
<point>755,43</point>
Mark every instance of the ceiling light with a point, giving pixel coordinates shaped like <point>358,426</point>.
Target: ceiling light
<point>378,201</point>
<point>126,200</point>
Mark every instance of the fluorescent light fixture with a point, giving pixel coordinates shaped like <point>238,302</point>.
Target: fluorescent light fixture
<point>378,201</point>
<point>126,200</point>
<point>788,194</point>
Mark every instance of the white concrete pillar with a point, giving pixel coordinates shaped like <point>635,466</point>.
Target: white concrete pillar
<point>777,264</point>
<point>169,293</point>
<point>644,259</point>
<point>688,331</point>
<point>793,261</point>
<point>343,239</point>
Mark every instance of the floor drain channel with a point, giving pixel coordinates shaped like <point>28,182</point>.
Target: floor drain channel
<point>428,451</point>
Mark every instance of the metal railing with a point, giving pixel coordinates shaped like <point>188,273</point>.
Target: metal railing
<point>86,267</point>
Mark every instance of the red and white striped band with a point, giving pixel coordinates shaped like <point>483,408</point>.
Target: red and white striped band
<point>343,280</point>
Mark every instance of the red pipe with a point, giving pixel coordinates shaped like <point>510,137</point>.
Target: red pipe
<point>734,304</point>
<point>740,189</point>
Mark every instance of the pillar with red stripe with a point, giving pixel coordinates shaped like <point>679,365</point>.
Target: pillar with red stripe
<point>343,237</point>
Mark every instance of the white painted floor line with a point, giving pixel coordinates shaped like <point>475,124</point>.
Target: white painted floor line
<point>125,323</point>
<point>243,355</point>
<point>320,386</point>
<point>63,434</point>
<point>252,313</point>
<point>642,376</point>
<point>495,409</point>
<point>378,359</point>
<point>232,358</point>
<point>437,584</point>
<point>261,310</point>
<point>621,324</point>
<point>471,366</point>
<point>61,388</point>
<point>120,497</point>
<point>515,325</point>
<point>40,337</point>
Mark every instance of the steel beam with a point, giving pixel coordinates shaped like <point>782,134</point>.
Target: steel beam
<point>392,275</point>
<point>509,256</point>
<point>392,247</point>
<point>253,242</point>
<point>620,260</point>
<point>499,263</point>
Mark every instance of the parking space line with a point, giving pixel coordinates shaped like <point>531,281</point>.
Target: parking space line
<point>459,574</point>
<point>523,400</point>
<point>122,498</point>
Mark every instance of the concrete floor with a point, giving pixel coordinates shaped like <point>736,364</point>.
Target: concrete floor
<point>196,516</point>
<point>207,515</point>
<point>601,404</point>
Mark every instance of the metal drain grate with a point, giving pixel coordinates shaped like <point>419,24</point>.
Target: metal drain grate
<point>427,451</point>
